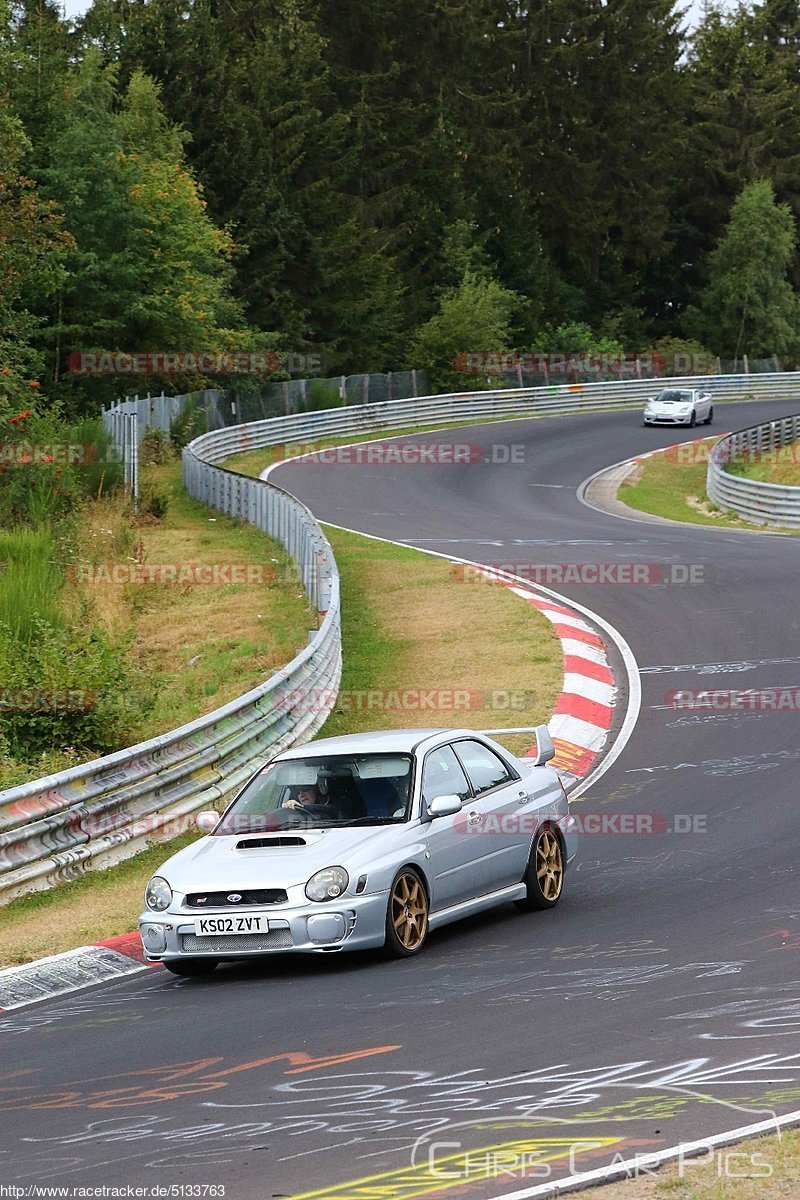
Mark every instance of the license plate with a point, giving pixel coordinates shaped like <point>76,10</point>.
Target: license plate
<point>241,923</point>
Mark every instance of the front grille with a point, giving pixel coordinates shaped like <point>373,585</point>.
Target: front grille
<point>276,939</point>
<point>220,899</point>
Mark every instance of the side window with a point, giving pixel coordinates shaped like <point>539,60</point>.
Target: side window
<point>484,769</point>
<point>442,776</point>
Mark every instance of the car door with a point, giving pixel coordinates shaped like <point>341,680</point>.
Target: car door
<point>454,842</point>
<point>499,794</point>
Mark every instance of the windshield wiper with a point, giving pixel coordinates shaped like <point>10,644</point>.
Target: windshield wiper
<point>370,821</point>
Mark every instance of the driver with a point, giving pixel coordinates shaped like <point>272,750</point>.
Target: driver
<point>305,795</point>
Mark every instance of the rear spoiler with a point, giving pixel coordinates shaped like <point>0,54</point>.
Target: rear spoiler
<point>545,750</point>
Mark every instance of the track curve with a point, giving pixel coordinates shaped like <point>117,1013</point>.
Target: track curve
<point>656,1004</point>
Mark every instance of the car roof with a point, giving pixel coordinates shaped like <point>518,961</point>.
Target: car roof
<point>391,741</point>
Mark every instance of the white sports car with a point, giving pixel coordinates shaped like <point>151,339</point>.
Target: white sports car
<point>679,406</point>
<point>370,840</point>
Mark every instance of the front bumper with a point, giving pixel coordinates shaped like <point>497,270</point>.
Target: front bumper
<point>351,923</point>
<point>661,419</point>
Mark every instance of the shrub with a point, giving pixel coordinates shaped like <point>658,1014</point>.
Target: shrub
<point>153,501</point>
<point>62,689</point>
<point>320,395</point>
<point>157,448</point>
<point>189,424</point>
<point>99,469</point>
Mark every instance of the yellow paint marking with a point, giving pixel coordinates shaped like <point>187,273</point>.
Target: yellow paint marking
<point>518,1160</point>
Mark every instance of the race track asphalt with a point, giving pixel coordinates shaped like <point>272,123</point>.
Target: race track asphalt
<point>657,1003</point>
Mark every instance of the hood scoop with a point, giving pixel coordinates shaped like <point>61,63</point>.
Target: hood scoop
<point>267,843</point>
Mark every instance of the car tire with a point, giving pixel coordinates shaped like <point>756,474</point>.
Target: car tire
<point>544,874</point>
<point>693,421</point>
<point>191,967</point>
<point>710,416</point>
<point>406,915</point>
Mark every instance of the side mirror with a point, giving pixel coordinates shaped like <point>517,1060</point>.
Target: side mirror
<point>207,821</point>
<point>545,750</point>
<point>444,806</point>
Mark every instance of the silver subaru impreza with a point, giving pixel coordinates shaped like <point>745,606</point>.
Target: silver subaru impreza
<point>371,840</point>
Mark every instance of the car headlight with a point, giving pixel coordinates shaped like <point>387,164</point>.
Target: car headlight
<point>327,884</point>
<point>158,894</point>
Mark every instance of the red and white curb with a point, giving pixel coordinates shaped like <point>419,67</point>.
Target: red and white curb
<point>72,971</point>
<point>581,722</point>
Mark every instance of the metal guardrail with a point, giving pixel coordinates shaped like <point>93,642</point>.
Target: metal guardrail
<point>55,829</point>
<point>750,499</point>
<point>304,429</point>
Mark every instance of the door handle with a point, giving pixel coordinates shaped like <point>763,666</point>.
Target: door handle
<point>473,817</point>
<point>522,797</point>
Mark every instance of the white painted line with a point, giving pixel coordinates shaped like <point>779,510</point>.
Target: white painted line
<point>641,1164</point>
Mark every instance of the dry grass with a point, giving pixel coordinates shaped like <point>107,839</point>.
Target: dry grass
<point>100,905</point>
<point>781,466</point>
<point>411,623</point>
<point>194,646</point>
<point>714,1179</point>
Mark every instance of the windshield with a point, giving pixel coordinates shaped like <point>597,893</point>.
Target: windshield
<point>672,396</point>
<point>364,789</point>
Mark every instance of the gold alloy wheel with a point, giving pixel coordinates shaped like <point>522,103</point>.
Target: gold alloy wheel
<point>549,866</point>
<point>409,911</point>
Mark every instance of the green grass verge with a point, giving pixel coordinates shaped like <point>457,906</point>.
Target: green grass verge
<point>766,1168</point>
<point>667,487</point>
<point>781,466</point>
